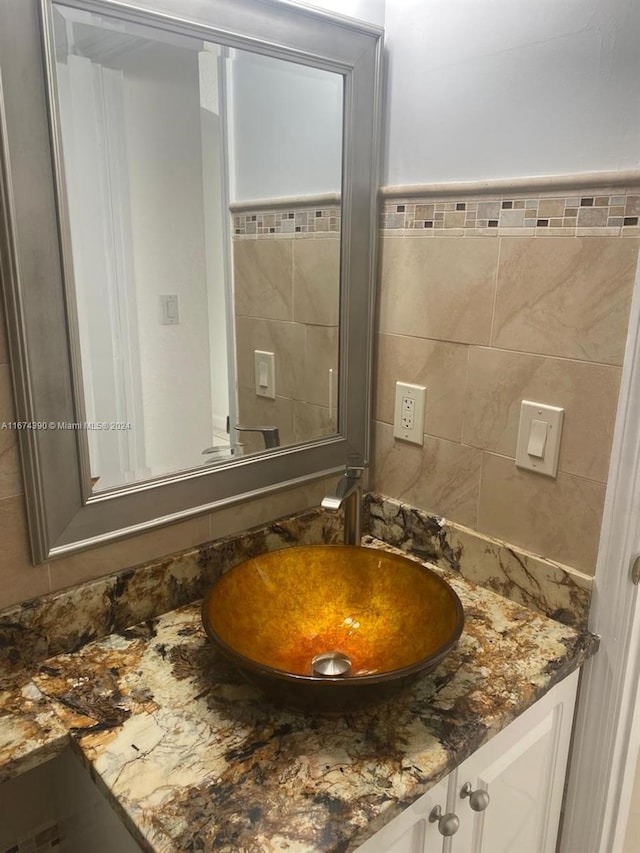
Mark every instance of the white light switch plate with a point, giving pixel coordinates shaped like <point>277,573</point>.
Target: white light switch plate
<point>169,309</point>
<point>265,374</point>
<point>408,421</point>
<point>530,443</point>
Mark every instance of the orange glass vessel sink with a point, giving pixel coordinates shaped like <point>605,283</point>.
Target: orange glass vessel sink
<point>332,627</point>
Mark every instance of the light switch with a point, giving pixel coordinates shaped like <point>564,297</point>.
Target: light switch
<point>539,437</point>
<point>265,379</point>
<point>169,309</point>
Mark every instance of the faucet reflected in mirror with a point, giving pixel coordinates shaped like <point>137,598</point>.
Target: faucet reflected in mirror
<point>348,495</point>
<point>270,435</point>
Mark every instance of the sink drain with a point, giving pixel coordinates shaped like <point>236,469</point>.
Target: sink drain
<point>330,664</point>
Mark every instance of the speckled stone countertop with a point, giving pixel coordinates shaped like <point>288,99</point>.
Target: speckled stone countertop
<point>195,759</point>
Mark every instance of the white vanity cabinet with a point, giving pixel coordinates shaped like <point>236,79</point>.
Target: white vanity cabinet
<point>515,782</point>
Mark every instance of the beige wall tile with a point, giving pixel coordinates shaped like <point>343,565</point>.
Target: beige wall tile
<point>263,278</point>
<point>10,470</point>
<point>311,421</point>
<point>316,281</point>
<point>106,559</point>
<point>441,287</point>
<point>550,207</point>
<point>558,518</point>
<point>167,540</point>
<point>285,340</point>
<point>497,383</point>
<point>442,477</point>
<point>440,366</point>
<point>242,516</point>
<point>19,579</point>
<point>321,356</point>
<point>565,296</point>
<point>261,411</point>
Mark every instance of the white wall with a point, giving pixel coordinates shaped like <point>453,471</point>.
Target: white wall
<point>633,824</point>
<point>370,11</point>
<point>482,89</point>
<point>283,118</point>
<point>162,105</point>
<point>213,190</point>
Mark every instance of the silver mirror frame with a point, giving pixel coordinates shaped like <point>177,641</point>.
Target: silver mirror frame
<point>64,517</point>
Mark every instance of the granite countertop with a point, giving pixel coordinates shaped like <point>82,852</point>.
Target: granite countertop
<point>195,759</point>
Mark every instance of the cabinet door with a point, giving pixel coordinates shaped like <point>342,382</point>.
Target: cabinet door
<point>411,831</point>
<point>522,769</point>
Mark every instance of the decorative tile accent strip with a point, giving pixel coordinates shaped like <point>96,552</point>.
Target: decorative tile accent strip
<point>542,585</point>
<point>291,221</point>
<point>578,214</point>
<point>46,838</point>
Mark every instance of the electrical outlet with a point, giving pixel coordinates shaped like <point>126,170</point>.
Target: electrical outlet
<point>407,413</point>
<point>408,421</point>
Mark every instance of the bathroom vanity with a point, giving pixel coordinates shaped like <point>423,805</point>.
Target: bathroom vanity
<point>191,757</point>
<point>507,796</point>
<point>119,670</point>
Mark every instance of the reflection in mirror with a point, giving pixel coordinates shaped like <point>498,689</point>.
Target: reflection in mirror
<point>203,192</point>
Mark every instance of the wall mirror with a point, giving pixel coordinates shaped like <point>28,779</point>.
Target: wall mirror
<point>187,250</point>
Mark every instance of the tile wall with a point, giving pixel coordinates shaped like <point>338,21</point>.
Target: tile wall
<point>484,315</point>
<point>286,284</point>
<point>21,581</point>
<point>488,301</point>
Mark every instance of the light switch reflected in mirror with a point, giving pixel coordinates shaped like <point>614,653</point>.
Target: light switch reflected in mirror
<point>203,189</point>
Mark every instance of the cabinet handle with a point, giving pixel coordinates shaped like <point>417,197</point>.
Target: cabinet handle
<point>448,824</point>
<point>478,800</point>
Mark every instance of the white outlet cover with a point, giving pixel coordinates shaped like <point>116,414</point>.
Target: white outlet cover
<point>415,397</point>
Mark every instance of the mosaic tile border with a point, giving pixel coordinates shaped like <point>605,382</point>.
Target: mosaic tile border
<point>48,837</point>
<point>584,213</point>
<point>290,221</point>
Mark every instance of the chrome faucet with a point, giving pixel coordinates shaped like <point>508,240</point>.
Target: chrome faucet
<point>348,494</point>
<point>270,434</point>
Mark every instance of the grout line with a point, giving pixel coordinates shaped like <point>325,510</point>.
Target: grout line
<point>490,347</point>
<point>465,394</point>
<point>547,355</point>
<point>495,292</point>
<point>573,476</point>
<point>293,283</point>
<point>480,481</point>
<point>488,452</point>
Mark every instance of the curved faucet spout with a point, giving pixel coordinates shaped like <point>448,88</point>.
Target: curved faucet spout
<point>348,494</point>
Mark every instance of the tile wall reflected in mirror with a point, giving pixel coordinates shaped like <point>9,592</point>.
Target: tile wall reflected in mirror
<point>203,191</point>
